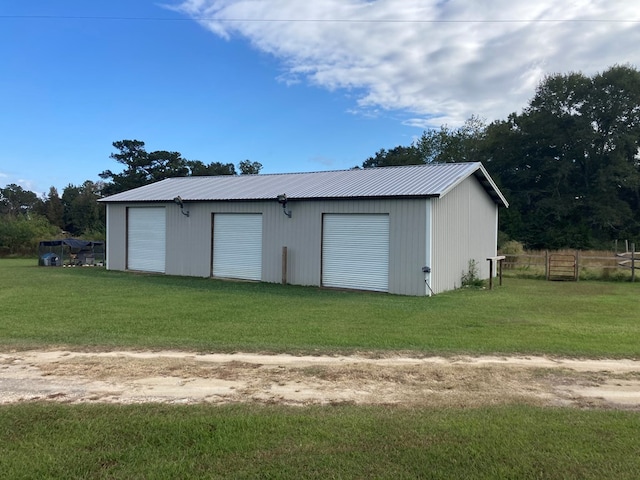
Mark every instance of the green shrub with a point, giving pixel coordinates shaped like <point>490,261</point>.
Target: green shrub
<point>470,279</point>
<point>512,247</point>
<point>21,235</point>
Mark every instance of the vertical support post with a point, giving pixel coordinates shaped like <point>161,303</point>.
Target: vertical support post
<point>633,262</point>
<point>577,266</point>
<point>497,262</point>
<point>284,265</point>
<point>490,273</point>
<point>546,264</point>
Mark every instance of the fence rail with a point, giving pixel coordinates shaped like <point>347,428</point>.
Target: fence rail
<point>572,264</point>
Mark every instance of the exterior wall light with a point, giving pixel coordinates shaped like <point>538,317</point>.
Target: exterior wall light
<point>178,201</point>
<point>282,200</point>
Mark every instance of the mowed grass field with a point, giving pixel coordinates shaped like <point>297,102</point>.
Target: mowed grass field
<point>95,308</point>
<point>91,308</point>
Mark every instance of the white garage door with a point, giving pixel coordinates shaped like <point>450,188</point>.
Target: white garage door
<point>146,239</point>
<point>355,251</point>
<point>237,246</point>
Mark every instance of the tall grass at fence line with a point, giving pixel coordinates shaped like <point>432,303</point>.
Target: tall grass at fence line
<point>593,264</point>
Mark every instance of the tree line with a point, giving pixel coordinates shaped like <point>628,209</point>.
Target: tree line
<point>26,219</point>
<point>142,167</point>
<point>568,164</point>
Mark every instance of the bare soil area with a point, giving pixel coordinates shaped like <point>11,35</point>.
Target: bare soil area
<point>187,378</point>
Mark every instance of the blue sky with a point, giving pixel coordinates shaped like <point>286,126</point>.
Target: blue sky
<point>294,85</point>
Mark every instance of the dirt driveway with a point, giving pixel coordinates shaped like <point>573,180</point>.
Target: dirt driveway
<point>186,378</point>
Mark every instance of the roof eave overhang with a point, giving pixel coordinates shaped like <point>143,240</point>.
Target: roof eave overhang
<point>487,183</point>
<point>290,199</point>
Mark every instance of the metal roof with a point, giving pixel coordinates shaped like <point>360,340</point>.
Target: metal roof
<point>431,180</point>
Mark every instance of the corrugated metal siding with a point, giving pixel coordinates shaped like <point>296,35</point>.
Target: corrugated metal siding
<point>302,235</point>
<point>116,236</point>
<point>463,229</point>
<point>189,239</point>
<point>428,246</point>
<point>407,252</point>
<point>187,253</point>
<point>355,251</point>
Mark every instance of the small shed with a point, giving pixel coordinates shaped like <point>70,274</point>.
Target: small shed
<point>408,230</point>
<point>71,252</point>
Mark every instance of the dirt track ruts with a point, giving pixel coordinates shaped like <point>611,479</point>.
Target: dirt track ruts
<point>187,377</point>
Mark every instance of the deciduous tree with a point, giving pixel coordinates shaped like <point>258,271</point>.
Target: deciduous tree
<point>14,200</point>
<point>248,167</point>
<point>569,162</point>
<point>399,155</point>
<point>198,168</point>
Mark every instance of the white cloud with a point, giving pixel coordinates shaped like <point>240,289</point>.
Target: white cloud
<point>440,61</point>
<point>7,179</point>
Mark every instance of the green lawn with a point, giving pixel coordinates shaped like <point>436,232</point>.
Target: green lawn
<point>92,307</point>
<point>98,309</point>
<point>39,441</point>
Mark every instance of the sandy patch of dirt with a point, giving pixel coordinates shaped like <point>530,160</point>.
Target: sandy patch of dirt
<point>184,378</point>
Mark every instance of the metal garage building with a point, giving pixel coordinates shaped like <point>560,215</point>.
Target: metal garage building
<point>373,229</point>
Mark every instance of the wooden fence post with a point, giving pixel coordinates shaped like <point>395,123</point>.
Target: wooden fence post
<point>577,265</point>
<point>633,262</point>
<point>546,264</point>
<point>490,273</point>
<point>284,265</point>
